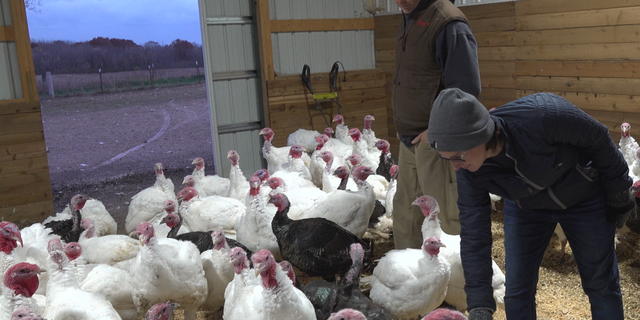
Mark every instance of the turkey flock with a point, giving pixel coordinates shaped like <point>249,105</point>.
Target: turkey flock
<point>235,246</point>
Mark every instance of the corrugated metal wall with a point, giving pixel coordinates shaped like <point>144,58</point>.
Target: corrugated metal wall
<point>10,86</point>
<point>233,83</point>
<point>291,51</point>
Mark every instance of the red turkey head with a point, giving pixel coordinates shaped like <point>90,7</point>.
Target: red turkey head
<point>238,258</point>
<point>233,156</point>
<point>73,250</point>
<point>354,159</point>
<point>171,220</point>
<point>187,194</point>
<point>254,184</point>
<point>326,156</point>
<point>296,151</point>
<point>161,311</point>
<point>267,133</point>
<point>288,269</point>
<point>145,232</point>
<point>328,131</point>
<point>428,205</point>
<point>348,314</point>
<point>158,168</point>
<point>22,279</point>
<point>219,241</point>
<point>263,174</point>
<point>625,127</point>
<point>321,140</point>
<point>9,237</point>
<point>265,265</point>
<point>338,118</point>
<point>445,314</point>
<point>368,120</point>
<point>393,171</point>
<point>383,145</point>
<point>362,173</point>
<point>169,206</point>
<point>275,183</point>
<point>189,181</point>
<point>199,163</point>
<point>432,246</point>
<point>279,200</point>
<point>78,201</point>
<point>355,134</point>
<point>341,172</point>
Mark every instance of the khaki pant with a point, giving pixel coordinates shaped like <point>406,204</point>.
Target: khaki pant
<point>422,172</point>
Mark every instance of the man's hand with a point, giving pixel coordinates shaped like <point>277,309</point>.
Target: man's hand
<point>421,138</point>
<point>480,314</point>
<point>621,206</point>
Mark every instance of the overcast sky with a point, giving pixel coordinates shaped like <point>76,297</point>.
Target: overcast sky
<point>139,20</point>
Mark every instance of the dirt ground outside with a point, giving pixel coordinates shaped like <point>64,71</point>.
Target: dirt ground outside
<point>106,145</point>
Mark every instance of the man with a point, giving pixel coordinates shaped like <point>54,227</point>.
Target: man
<point>435,49</point>
<point>552,163</point>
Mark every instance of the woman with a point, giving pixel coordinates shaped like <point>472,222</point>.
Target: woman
<point>552,163</point>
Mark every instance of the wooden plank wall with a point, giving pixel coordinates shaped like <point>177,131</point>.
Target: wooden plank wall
<point>586,51</point>
<point>25,185</point>
<point>292,107</point>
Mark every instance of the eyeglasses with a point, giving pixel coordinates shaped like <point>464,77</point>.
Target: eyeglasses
<point>459,158</point>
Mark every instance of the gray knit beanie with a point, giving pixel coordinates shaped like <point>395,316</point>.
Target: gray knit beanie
<point>458,122</point>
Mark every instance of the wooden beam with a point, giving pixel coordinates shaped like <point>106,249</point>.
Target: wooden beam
<point>489,10</point>
<point>588,35</point>
<point>578,19</point>
<point>7,34</point>
<point>23,47</point>
<point>530,7</point>
<point>587,68</point>
<point>309,25</point>
<point>598,101</point>
<point>596,51</point>
<point>265,51</point>
<point>620,86</point>
<point>27,213</point>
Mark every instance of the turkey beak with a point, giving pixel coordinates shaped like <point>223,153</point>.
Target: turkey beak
<point>256,268</point>
<point>173,305</point>
<point>164,220</point>
<point>415,203</point>
<point>442,245</point>
<point>17,237</point>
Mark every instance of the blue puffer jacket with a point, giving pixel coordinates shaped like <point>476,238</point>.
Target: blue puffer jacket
<point>561,157</point>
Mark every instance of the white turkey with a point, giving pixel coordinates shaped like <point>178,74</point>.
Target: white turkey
<point>349,209</point>
<point>64,293</point>
<point>330,181</point>
<point>9,238</point>
<point>379,183</point>
<point>209,185</point>
<point>317,164</point>
<point>109,249</point>
<point>628,144</point>
<point>391,192</point>
<point>209,213</point>
<point>20,282</point>
<point>243,296</point>
<point>161,311</point>
<point>456,295</point>
<point>339,149</point>
<point>296,167</point>
<point>253,228</point>
<point>634,168</point>
<point>369,136</point>
<point>115,285</point>
<point>303,137</point>
<point>342,130</point>
<point>239,185</point>
<point>276,156</point>
<point>218,270</point>
<point>167,270</point>
<point>411,282</point>
<point>282,300</point>
<point>303,198</point>
<point>361,148</point>
<point>147,205</point>
<point>162,230</point>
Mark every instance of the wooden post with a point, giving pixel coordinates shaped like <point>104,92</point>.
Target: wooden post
<point>265,50</point>
<point>49,84</point>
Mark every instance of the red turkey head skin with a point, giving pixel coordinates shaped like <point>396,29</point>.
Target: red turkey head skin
<point>254,184</point>
<point>161,311</point>
<point>158,168</point>
<point>219,241</point>
<point>263,174</point>
<point>199,163</point>
<point>22,279</point>
<point>383,145</point>
<point>239,259</point>
<point>368,120</point>
<point>354,159</point>
<point>78,201</point>
<point>233,156</point>
<point>267,133</point>
<point>445,314</point>
<point>296,151</point>
<point>428,205</point>
<point>73,250</point>
<point>341,172</point>
<point>25,313</point>
<point>288,269</point>
<point>280,201</point>
<point>265,265</point>
<point>347,314</point>
<point>362,173</point>
<point>321,140</point>
<point>187,194</point>
<point>625,127</point>
<point>171,220</point>
<point>169,206</point>
<point>145,232</point>
<point>275,182</point>
<point>432,246</point>
<point>338,118</point>
<point>326,156</point>
<point>328,131</point>
<point>10,236</point>
<point>394,171</point>
<point>355,134</point>
<point>189,181</point>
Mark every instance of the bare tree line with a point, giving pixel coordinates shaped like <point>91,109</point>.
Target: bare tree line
<point>112,55</point>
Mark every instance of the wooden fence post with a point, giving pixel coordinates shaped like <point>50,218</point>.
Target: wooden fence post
<point>49,84</point>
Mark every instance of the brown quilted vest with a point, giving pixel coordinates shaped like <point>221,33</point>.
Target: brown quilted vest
<point>418,79</point>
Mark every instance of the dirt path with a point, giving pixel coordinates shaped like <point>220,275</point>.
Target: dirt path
<point>106,145</point>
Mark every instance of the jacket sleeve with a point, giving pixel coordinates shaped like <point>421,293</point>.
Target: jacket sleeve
<point>476,240</point>
<point>563,122</point>
<point>457,56</point>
